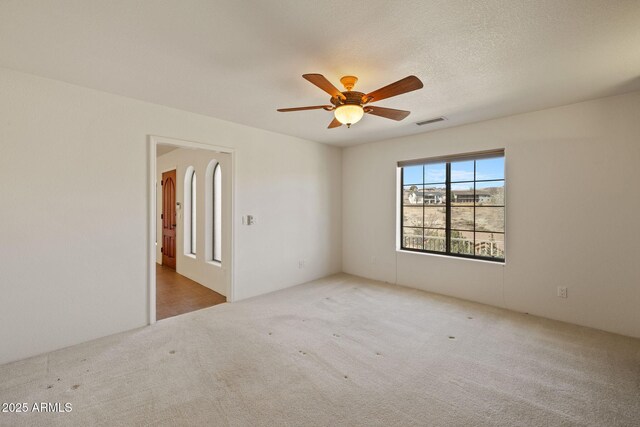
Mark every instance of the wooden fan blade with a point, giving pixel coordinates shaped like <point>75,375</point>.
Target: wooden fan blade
<point>315,107</point>
<point>388,113</point>
<point>334,124</point>
<point>324,84</point>
<point>405,85</point>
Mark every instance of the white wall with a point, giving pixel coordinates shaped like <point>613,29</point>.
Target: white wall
<point>74,221</point>
<point>198,267</point>
<point>573,209</point>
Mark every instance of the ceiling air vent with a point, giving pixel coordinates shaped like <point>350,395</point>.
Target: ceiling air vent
<point>428,122</point>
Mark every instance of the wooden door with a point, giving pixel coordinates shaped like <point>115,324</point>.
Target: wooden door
<point>169,219</point>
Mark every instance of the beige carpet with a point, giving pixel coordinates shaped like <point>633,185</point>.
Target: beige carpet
<point>338,351</point>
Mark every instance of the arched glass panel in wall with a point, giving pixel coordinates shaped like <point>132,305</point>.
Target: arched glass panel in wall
<point>188,213</point>
<point>192,225</point>
<point>217,214</point>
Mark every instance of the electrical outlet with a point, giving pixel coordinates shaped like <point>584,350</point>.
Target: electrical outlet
<point>374,260</point>
<point>562,291</point>
<point>301,263</point>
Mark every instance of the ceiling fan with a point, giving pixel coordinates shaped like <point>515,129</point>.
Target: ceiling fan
<point>350,106</point>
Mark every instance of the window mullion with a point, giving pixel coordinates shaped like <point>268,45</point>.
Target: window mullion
<point>475,176</point>
<point>448,209</point>
<point>423,232</point>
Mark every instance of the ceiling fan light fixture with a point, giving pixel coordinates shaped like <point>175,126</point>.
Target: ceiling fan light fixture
<point>349,106</point>
<point>349,114</point>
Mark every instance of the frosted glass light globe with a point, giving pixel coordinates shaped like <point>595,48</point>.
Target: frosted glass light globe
<point>349,114</point>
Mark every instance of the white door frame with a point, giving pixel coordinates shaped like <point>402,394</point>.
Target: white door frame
<point>151,247</point>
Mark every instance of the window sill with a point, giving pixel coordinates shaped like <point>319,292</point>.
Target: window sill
<point>190,256</point>
<point>215,263</point>
<point>500,263</point>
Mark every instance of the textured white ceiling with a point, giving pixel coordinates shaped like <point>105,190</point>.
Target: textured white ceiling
<point>241,60</point>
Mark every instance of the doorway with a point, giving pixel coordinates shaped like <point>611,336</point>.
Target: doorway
<point>191,214</point>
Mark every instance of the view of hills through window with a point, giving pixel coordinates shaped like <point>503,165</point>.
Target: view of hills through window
<point>468,223</point>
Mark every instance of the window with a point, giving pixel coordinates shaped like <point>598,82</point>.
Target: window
<point>454,205</point>
<point>193,212</point>
<point>217,214</point>
<point>213,212</point>
<point>190,200</point>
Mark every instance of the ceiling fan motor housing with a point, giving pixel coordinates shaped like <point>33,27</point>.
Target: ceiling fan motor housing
<point>351,98</point>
